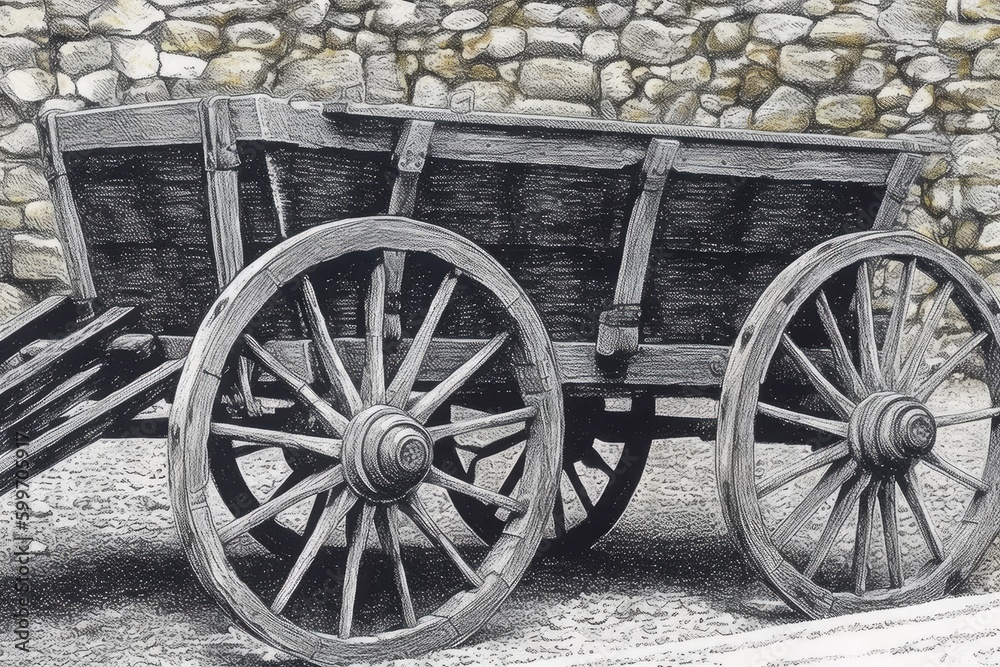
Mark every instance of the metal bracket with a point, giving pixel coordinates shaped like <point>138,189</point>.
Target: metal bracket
<point>618,327</point>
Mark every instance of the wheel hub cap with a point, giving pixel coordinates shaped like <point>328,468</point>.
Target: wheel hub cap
<point>888,430</point>
<point>386,454</point>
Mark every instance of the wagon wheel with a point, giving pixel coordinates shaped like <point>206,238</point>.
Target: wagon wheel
<point>904,437</point>
<point>604,455</point>
<point>376,472</point>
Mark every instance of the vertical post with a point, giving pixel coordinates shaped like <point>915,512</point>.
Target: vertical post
<point>410,156</point>
<point>68,225</point>
<point>222,163</point>
<point>897,188</point>
<point>618,329</point>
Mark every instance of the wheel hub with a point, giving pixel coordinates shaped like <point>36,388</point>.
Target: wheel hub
<point>385,454</point>
<point>888,430</point>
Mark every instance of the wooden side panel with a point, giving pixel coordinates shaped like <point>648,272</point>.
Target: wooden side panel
<point>719,243</point>
<point>558,230</point>
<point>144,214</point>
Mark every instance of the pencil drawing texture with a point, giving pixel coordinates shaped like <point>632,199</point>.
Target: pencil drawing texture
<point>433,303</point>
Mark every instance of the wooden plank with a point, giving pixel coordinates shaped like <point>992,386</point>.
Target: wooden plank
<point>40,321</point>
<point>153,124</point>
<point>68,228</point>
<point>125,358</point>
<point>618,330</point>
<point>579,363</point>
<point>222,164</point>
<point>904,171</point>
<point>264,118</point>
<point>58,361</point>
<point>616,127</point>
<point>784,163</point>
<point>489,145</point>
<point>88,425</point>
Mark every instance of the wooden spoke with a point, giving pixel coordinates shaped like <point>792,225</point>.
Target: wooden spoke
<point>373,379</point>
<point>897,325</point>
<point>793,470</point>
<point>966,417</point>
<point>842,508</point>
<point>578,488</point>
<point>863,536</point>
<point>399,391</point>
<point>514,475</point>
<point>244,392</point>
<point>432,400</point>
<point>945,467</point>
<point>835,477</point>
<point>333,513</point>
<point>890,532</point>
<point>414,509</point>
<point>833,396</point>
<point>811,421</point>
<point>446,481</point>
<point>333,366</point>
<point>916,357</point>
<point>559,515</point>
<point>490,449</point>
<point>841,355</point>
<point>330,417</point>
<point>282,500</point>
<point>482,423</point>
<point>358,541</point>
<point>943,371</point>
<point>871,371</point>
<point>325,446</point>
<point>593,460</point>
<point>388,534</point>
<point>909,484</point>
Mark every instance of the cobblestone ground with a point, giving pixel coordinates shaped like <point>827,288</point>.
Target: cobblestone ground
<point>114,587</point>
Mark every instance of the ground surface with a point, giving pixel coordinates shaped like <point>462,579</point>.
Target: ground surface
<point>114,587</point>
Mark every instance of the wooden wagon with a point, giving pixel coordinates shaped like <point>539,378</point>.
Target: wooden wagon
<point>374,303</point>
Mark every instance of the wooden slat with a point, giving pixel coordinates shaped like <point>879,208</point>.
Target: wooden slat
<point>904,171</point>
<point>698,365</point>
<point>44,319</point>
<point>155,124</point>
<point>222,163</point>
<point>88,425</point>
<point>410,157</point>
<point>594,152</point>
<point>618,331</point>
<point>58,361</point>
<point>264,118</point>
<point>615,127</point>
<point>125,358</point>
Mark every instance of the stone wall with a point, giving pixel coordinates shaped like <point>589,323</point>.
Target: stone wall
<point>923,69</point>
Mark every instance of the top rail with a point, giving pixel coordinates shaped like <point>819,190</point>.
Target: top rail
<point>264,118</point>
